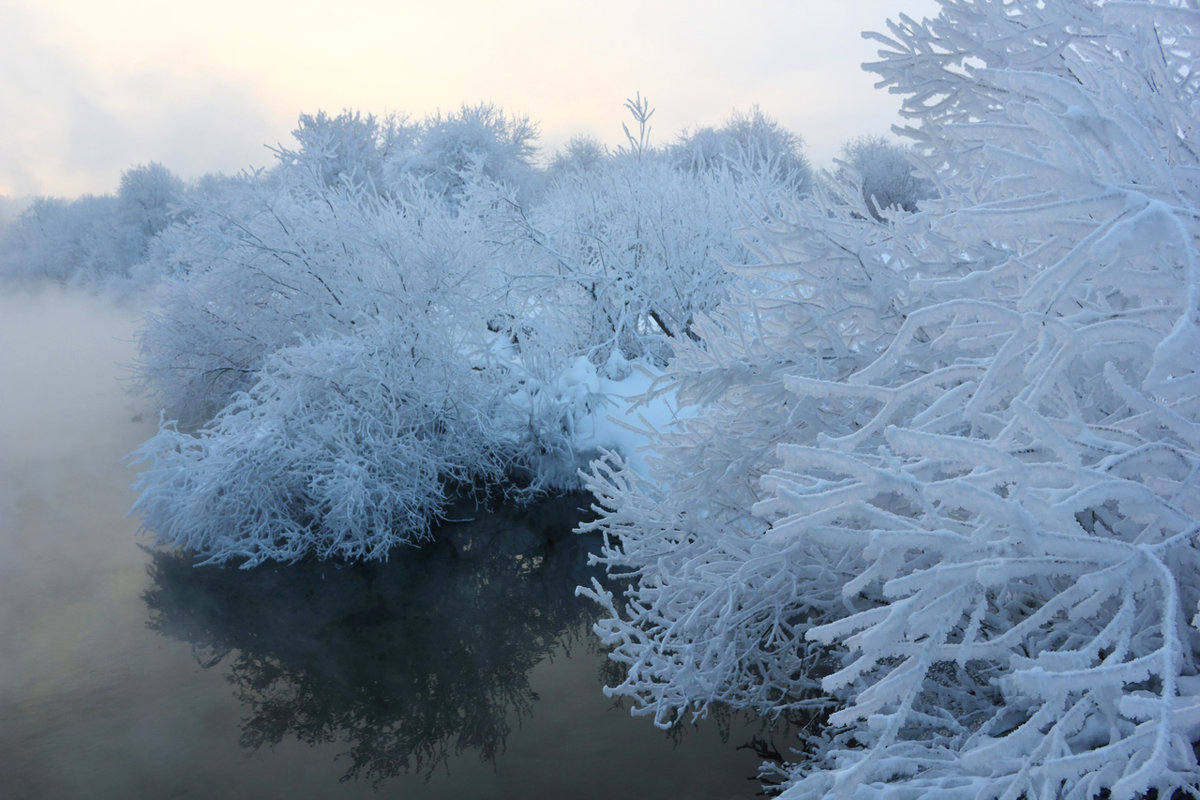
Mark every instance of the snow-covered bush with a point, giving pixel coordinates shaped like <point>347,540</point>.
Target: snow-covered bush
<point>696,628</point>
<point>963,526</point>
<point>351,443</point>
<point>343,361</point>
<point>345,446</point>
<point>286,255</point>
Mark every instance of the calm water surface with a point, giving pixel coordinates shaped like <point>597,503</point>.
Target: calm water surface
<point>465,669</point>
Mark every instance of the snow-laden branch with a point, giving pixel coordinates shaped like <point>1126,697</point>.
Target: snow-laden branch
<point>963,516</point>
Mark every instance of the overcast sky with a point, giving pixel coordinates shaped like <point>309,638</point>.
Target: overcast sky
<point>89,88</point>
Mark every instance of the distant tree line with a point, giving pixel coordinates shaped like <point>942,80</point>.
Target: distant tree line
<point>104,241</point>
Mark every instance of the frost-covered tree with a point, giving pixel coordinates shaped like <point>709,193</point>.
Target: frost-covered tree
<point>480,139</point>
<point>886,173</point>
<point>445,153</point>
<point>581,153</point>
<point>749,142</point>
<point>634,243</point>
<point>347,148</point>
<point>342,362</point>
<point>282,255</point>
<point>93,241</point>
<point>353,381</point>
<point>74,241</point>
<point>148,199</point>
<point>10,209</point>
<point>636,248</point>
<point>957,524</point>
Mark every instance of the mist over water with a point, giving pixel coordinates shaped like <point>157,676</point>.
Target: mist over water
<point>467,670</point>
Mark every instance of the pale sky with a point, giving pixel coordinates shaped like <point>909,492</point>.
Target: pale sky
<point>89,88</point>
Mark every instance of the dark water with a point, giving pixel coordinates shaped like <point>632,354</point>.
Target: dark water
<point>466,669</point>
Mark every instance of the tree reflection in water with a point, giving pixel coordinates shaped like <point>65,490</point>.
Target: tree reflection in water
<point>410,661</point>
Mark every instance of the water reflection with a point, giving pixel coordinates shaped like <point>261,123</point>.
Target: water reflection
<point>409,662</point>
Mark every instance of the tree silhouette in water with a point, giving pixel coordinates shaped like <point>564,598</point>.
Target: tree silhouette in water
<point>411,661</point>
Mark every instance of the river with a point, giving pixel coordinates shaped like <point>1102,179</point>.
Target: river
<point>466,669</point>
